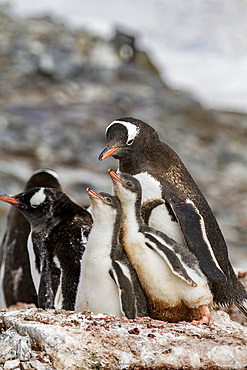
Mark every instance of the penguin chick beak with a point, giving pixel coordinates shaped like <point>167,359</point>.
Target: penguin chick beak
<point>92,193</point>
<point>107,152</point>
<point>114,176</point>
<point>9,199</point>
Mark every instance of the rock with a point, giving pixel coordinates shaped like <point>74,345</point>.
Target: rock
<point>11,364</point>
<point>38,365</point>
<point>9,341</point>
<point>24,349</point>
<point>69,340</point>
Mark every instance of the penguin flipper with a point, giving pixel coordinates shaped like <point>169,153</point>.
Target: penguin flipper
<point>194,231</point>
<point>167,252</point>
<point>148,207</point>
<point>119,274</point>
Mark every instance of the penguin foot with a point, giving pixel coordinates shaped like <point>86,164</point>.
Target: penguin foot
<point>23,305</point>
<point>205,314</point>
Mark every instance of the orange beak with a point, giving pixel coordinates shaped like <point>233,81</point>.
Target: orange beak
<point>93,194</point>
<point>107,153</point>
<point>10,200</point>
<point>114,176</point>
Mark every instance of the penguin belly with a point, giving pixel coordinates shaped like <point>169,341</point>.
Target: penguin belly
<point>169,297</point>
<point>160,218</point>
<point>97,291</point>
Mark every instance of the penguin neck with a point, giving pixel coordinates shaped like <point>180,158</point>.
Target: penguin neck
<point>132,164</point>
<point>39,245</point>
<point>39,237</point>
<point>131,217</point>
<point>128,164</point>
<point>139,159</point>
<point>104,235</point>
<point>44,229</point>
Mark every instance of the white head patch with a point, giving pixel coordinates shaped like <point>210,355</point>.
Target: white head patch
<point>132,129</point>
<point>38,198</point>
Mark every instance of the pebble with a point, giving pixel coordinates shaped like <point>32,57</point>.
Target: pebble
<point>24,349</point>
<point>11,364</point>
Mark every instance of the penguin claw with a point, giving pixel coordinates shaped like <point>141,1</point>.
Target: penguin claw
<point>206,317</point>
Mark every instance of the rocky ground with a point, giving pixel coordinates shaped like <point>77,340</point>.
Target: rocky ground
<point>57,339</point>
<point>39,339</point>
<point>32,338</point>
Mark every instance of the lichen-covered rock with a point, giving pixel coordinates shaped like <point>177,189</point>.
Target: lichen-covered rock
<point>68,340</point>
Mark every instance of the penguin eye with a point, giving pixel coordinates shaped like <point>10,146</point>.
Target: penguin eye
<point>108,200</point>
<point>130,141</point>
<point>129,184</point>
<point>34,205</point>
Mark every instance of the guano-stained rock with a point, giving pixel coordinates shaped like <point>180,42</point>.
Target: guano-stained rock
<point>69,340</point>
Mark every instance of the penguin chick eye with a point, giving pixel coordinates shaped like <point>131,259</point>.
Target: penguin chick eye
<point>130,141</point>
<point>108,200</point>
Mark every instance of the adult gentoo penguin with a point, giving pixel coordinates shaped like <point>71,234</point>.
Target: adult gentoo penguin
<point>108,281</point>
<point>186,216</point>
<point>170,275</point>
<point>59,231</point>
<point>16,284</point>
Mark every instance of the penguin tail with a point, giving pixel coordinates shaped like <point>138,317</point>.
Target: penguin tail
<point>242,306</point>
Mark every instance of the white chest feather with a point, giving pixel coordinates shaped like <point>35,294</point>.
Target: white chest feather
<point>58,301</point>
<point>97,290</point>
<point>157,279</point>
<point>34,272</point>
<point>160,218</point>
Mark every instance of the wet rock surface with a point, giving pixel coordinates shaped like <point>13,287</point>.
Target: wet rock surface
<point>61,87</point>
<point>58,339</point>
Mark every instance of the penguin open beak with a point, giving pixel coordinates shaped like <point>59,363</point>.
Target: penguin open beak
<point>114,176</point>
<point>92,193</point>
<point>107,152</point>
<point>9,199</point>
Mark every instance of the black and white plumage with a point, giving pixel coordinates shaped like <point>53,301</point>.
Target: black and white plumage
<point>169,274</point>
<point>16,284</point>
<point>108,282</point>
<point>59,231</point>
<point>186,216</point>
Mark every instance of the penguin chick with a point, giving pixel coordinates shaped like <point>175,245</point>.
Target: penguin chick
<point>16,284</point>
<point>176,288</point>
<point>186,216</point>
<point>108,281</point>
<point>59,231</point>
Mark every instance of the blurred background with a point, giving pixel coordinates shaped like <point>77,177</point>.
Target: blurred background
<point>68,68</point>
